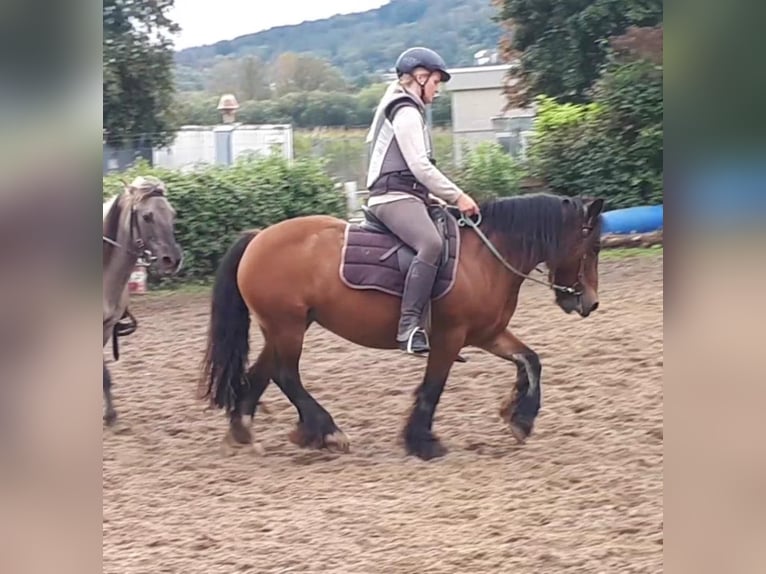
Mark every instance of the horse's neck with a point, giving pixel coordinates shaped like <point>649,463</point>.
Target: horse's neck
<point>502,281</point>
<point>118,261</point>
<point>517,259</point>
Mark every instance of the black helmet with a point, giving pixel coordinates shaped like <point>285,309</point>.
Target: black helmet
<point>420,57</point>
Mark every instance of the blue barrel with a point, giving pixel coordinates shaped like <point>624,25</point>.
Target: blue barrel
<point>643,219</point>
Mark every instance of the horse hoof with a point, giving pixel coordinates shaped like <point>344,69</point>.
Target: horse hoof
<point>110,418</point>
<point>239,434</point>
<point>297,436</point>
<point>427,449</point>
<point>337,442</point>
<point>334,442</point>
<point>520,431</point>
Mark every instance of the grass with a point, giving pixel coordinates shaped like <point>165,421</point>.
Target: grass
<point>627,252</point>
<point>182,288</point>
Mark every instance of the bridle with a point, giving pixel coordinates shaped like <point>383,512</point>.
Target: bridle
<point>136,245</point>
<point>576,289</point>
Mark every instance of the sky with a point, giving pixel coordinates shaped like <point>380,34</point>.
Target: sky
<point>208,21</point>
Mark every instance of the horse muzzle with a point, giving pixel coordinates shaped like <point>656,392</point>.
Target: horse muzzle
<point>586,309</point>
<point>579,303</point>
<point>168,262</point>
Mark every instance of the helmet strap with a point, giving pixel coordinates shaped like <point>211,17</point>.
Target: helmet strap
<point>423,89</point>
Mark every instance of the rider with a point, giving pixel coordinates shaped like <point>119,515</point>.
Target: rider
<point>400,177</point>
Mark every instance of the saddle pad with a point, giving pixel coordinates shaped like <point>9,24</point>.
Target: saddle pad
<point>361,266</point>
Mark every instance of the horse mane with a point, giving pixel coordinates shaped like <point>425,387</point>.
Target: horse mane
<point>534,225</point>
<point>112,221</point>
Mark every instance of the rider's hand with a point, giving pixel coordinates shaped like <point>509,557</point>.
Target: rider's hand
<point>467,205</point>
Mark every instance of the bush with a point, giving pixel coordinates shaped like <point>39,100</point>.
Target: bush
<point>488,171</point>
<point>216,203</point>
<point>611,148</point>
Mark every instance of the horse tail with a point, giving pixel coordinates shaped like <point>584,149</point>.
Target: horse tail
<point>228,342</point>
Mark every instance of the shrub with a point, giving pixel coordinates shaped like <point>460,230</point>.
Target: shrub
<point>488,171</point>
<point>214,204</point>
<point>611,148</point>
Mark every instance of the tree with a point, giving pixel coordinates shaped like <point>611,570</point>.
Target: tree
<point>244,77</point>
<point>305,73</point>
<point>139,86</point>
<point>253,82</point>
<point>562,46</point>
<point>611,147</point>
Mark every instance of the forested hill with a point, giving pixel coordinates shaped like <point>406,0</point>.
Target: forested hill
<point>367,42</point>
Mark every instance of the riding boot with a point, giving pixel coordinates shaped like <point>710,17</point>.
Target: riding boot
<point>418,285</point>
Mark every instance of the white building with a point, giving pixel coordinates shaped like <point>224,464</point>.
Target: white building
<point>223,144</point>
<point>478,109</point>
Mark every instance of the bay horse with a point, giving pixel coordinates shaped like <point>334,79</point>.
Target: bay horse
<point>139,222</point>
<point>298,272</point>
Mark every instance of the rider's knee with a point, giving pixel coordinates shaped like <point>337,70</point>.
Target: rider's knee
<point>430,248</point>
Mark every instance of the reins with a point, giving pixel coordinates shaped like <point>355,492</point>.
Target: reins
<point>463,221</point>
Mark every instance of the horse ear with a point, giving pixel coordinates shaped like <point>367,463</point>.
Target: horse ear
<point>594,209</point>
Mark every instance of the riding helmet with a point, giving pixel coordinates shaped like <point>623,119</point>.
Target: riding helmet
<point>420,57</point>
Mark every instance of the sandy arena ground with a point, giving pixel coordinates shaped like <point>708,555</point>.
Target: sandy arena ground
<point>583,495</point>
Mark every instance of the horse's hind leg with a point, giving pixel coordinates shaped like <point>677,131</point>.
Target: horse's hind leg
<point>316,427</point>
<point>110,415</point>
<point>258,376</point>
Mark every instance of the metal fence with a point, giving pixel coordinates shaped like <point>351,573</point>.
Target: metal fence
<point>116,160</point>
<point>343,151</point>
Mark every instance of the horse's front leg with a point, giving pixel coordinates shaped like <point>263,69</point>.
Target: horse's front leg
<point>521,407</point>
<point>418,436</point>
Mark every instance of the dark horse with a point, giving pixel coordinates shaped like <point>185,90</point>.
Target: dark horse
<point>288,277</point>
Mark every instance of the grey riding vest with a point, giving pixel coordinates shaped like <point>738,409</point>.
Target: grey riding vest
<point>388,171</point>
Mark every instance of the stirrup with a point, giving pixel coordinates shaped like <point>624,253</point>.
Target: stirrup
<point>408,346</point>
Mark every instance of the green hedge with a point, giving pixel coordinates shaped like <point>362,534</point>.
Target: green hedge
<point>488,171</point>
<point>612,147</point>
<point>215,203</point>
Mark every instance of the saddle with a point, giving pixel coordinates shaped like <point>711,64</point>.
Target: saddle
<point>374,258</point>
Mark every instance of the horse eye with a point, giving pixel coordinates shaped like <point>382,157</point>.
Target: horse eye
<point>149,217</point>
